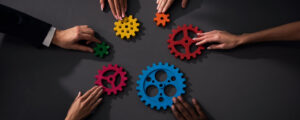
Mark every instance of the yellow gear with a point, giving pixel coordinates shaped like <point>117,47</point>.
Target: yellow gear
<point>126,27</point>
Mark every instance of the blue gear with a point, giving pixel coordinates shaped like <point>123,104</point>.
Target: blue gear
<point>160,100</point>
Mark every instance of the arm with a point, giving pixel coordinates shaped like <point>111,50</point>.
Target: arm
<point>15,23</point>
<point>225,40</point>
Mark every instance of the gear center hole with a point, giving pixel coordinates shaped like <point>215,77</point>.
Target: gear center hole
<point>151,91</point>
<point>161,75</point>
<point>161,18</point>
<point>170,90</point>
<point>109,73</point>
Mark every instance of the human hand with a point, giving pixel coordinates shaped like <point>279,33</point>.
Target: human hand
<point>85,104</point>
<point>183,111</point>
<point>117,7</point>
<point>223,39</point>
<point>164,5</point>
<point>69,38</point>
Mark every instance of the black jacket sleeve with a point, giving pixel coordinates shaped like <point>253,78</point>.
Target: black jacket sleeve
<point>15,23</point>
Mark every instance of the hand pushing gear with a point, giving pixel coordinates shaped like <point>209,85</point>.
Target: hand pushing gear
<point>148,79</point>
<point>126,27</point>
<point>101,49</point>
<point>161,19</point>
<point>111,79</point>
<point>186,42</point>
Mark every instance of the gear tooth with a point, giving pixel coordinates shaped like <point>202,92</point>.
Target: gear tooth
<point>159,63</point>
<point>164,107</point>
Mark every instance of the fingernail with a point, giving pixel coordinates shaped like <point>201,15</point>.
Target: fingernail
<point>102,7</point>
<point>174,100</point>
<point>123,15</point>
<point>199,33</point>
<point>194,38</point>
<point>208,48</point>
<point>173,107</point>
<point>194,100</point>
<point>179,97</point>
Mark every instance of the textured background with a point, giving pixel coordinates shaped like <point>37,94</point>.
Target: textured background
<point>257,81</point>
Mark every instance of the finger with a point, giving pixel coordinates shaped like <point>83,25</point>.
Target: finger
<point>122,8</point>
<point>88,37</point>
<point>203,37</point>
<point>162,6</point>
<point>86,94</point>
<point>167,6</point>
<point>78,95</point>
<point>112,8</point>
<point>117,8</point>
<point>159,4</point>
<point>87,31</point>
<point>102,3</point>
<point>202,42</point>
<point>198,108</point>
<point>88,42</point>
<point>157,1</point>
<point>187,106</point>
<point>82,48</point>
<point>216,47</point>
<point>177,115</point>
<point>97,103</point>
<point>98,94</point>
<point>181,109</point>
<point>91,97</point>
<point>184,3</point>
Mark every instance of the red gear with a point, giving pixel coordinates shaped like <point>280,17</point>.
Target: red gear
<point>161,19</point>
<point>186,42</point>
<point>111,78</point>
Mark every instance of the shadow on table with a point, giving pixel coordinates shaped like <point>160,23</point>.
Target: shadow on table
<point>55,65</point>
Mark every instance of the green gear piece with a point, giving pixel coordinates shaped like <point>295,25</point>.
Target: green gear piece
<point>101,49</point>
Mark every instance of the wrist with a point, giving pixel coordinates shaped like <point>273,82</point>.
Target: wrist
<point>55,37</point>
<point>243,38</point>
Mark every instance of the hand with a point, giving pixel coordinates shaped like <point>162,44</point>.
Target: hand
<point>117,7</point>
<point>164,5</point>
<point>183,111</point>
<point>223,40</point>
<point>69,38</point>
<point>85,104</point>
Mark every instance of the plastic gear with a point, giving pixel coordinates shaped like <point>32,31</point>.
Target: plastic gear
<point>161,19</point>
<point>126,27</point>
<point>101,49</point>
<point>111,79</point>
<point>160,100</point>
<point>186,42</point>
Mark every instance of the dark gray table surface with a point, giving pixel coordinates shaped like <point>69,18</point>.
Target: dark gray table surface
<point>252,82</point>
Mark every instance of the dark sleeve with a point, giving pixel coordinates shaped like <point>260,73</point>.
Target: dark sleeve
<point>15,23</point>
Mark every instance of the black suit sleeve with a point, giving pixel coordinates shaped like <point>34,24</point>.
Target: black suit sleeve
<point>15,23</point>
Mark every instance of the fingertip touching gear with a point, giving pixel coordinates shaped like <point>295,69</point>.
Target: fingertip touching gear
<point>111,79</point>
<point>186,42</point>
<point>148,79</point>
<point>101,49</point>
<point>161,19</point>
<point>127,27</point>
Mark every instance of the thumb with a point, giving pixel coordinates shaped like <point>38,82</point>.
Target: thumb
<point>215,47</point>
<point>82,48</point>
<point>184,3</point>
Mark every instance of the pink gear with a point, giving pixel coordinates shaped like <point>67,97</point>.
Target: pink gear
<point>111,78</point>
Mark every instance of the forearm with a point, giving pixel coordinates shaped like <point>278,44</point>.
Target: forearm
<point>287,32</point>
<point>19,24</point>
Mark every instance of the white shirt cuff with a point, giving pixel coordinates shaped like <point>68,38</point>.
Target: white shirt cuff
<point>49,37</point>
